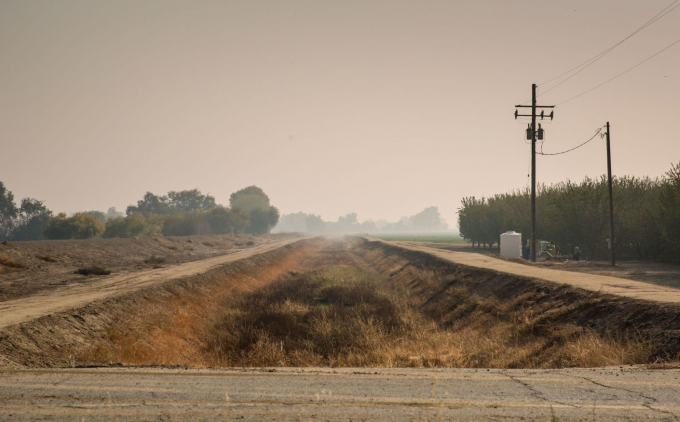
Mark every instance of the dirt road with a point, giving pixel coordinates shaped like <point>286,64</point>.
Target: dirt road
<point>340,394</point>
<point>598,283</point>
<point>76,295</point>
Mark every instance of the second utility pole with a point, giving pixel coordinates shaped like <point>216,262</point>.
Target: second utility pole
<point>532,134</point>
<point>533,172</point>
<point>612,247</point>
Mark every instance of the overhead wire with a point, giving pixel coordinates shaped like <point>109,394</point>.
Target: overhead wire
<point>620,74</point>
<point>597,132</point>
<point>594,59</point>
<point>597,57</point>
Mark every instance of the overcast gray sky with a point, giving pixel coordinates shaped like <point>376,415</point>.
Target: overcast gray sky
<point>375,107</point>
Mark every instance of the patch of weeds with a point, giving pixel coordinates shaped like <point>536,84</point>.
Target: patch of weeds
<point>9,262</point>
<point>46,258</point>
<point>637,272</point>
<point>94,270</point>
<point>210,244</point>
<point>250,243</point>
<point>155,260</point>
<point>6,243</point>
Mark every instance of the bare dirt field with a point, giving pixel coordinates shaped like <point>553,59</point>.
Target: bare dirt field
<point>48,265</point>
<point>665,274</point>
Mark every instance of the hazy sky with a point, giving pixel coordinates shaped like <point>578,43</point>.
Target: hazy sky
<point>377,107</point>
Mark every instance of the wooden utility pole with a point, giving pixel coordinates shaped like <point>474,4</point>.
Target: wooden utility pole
<point>612,244</point>
<point>532,134</point>
<point>533,172</point>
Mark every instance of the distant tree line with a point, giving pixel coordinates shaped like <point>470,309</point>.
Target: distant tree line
<point>646,216</point>
<point>428,220</point>
<point>179,213</point>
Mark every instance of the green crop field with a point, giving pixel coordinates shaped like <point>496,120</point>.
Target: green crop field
<point>422,237</point>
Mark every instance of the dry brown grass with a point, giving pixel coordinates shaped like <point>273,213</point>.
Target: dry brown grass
<point>342,316</point>
<point>346,316</point>
<point>167,242</point>
<point>7,261</point>
<point>173,332</point>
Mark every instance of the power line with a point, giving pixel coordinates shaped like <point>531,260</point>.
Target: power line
<point>594,59</point>
<point>620,74</point>
<point>597,57</point>
<point>597,132</point>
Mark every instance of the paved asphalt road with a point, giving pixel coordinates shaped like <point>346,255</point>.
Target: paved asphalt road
<point>341,394</point>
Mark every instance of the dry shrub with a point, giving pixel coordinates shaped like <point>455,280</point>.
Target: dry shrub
<point>9,262</point>
<point>46,258</point>
<point>93,270</point>
<point>153,259</point>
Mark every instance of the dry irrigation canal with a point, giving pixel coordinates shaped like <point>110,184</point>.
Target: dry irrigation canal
<point>346,303</point>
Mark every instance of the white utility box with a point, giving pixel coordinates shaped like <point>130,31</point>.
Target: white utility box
<point>511,245</point>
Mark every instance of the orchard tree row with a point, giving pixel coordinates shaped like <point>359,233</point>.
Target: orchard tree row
<point>646,216</point>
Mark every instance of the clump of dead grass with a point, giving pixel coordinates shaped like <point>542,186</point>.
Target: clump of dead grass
<point>10,262</point>
<point>155,260</point>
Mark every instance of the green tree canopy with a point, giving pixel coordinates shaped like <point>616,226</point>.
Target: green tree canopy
<point>189,201</point>
<point>33,219</point>
<point>8,212</point>
<point>249,199</point>
<point>78,226</point>
<point>252,200</point>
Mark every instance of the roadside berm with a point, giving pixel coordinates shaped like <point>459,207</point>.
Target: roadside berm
<point>351,302</point>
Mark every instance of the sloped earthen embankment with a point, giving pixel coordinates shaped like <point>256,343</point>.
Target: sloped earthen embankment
<point>430,312</point>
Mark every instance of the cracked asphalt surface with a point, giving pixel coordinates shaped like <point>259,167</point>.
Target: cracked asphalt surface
<point>375,394</point>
